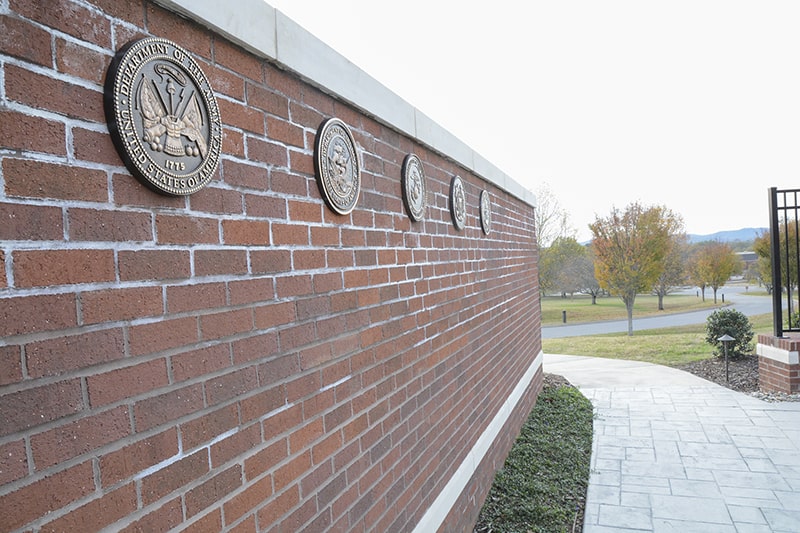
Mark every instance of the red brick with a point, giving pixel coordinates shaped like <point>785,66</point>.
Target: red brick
<point>308,259</point>
<point>270,261</point>
<point>128,191</point>
<point>46,495</point>
<point>293,286</point>
<point>120,304</point>
<point>278,369</point>
<point>28,314</point>
<point>94,146</point>
<point>226,323</point>
<point>239,61</point>
<point>155,264</point>
<point>80,61</point>
<point>246,232</point>
<point>220,262</point>
<point>50,94</point>
<point>162,335</point>
<point>98,513</point>
<point>210,522</point>
<point>232,384</point>
<point>254,407</point>
<point>290,184</point>
<point>167,407</point>
<point>290,234</point>
<point>232,143</point>
<point>70,18</point>
<point>104,225</point>
<point>126,382</point>
<point>268,100</point>
<point>79,437</point>
<point>51,180</point>
<point>29,222</point>
<point>3,280</point>
<point>215,200</point>
<point>28,133</point>
<point>28,408</point>
<point>199,362</point>
<point>134,458</point>
<point>267,152</point>
<point>21,39</point>
<point>252,497</point>
<point>251,291</point>
<point>180,229</point>
<point>277,507</point>
<point>242,117</point>
<point>174,476</point>
<point>284,131</point>
<point>183,298</point>
<point>201,430</point>
<point>37,268</point>
<point>324,283</point>
<point>241,174</point>
<point>224,82</point>
<point>232,446</point>
<point>13,461</point>
<point>186,33</point>
<point>162,519</point>
<point>255,347</point>
<point>292,471</point>
<point>10,365</point>
<point>56,356</point>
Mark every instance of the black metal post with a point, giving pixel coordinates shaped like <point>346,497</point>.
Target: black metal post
<point>775,247</point>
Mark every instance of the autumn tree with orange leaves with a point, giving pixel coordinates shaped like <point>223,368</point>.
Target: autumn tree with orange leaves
<point>630,248</point>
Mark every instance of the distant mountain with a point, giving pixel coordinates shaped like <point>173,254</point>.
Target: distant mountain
<point>744,234</point>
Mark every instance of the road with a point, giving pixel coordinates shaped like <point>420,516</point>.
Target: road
<point>734,297</point>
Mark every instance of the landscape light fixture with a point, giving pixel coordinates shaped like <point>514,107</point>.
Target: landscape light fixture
<point>725,340</point>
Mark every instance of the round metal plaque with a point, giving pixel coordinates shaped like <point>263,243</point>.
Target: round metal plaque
<point>458,202</point>
<point>486,212</point>
<point>337,167</point>
<point>413,178</point>
<point>163,116</point>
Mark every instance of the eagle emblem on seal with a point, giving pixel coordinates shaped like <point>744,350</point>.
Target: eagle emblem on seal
<point>167,118</point>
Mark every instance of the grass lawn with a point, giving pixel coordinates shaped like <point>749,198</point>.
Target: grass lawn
<point>580,309</point>
<point>667,346</point>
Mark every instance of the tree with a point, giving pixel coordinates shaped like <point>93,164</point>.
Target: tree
<point>714,264</point>
<point>674,274</point>
<point>586,278</point>
<point>629,249</point>
<point>559,266</point>
<point>762,248</point>
<point>551,221</point>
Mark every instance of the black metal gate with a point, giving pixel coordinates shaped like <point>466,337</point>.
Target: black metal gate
<point>784,231</point>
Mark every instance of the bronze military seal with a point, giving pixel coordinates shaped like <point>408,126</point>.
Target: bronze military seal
<point>163,116</point>
<point>337,167</point>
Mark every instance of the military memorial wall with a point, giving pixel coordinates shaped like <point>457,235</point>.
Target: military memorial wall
<point>243,287</point>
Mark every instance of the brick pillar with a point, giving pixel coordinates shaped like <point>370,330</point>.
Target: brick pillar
<point>778,364</point>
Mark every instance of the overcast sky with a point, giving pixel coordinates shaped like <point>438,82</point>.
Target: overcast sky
<point>694,105</point>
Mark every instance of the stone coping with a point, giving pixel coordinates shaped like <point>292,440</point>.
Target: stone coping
<point>268,33</point>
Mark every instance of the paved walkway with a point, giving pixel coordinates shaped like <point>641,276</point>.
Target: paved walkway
<point>674,452</point>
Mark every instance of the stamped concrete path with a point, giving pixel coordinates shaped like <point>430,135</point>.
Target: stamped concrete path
<point>674,452</point>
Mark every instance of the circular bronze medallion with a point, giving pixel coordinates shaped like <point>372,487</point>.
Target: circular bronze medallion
<point>486,212</point>
<point>458,202</point>
<point>163,116</point>
<point>413,179</point>
<point>337,167</point>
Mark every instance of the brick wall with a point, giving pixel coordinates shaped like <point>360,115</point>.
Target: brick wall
<point>242,359</point>
<point>778,366</point>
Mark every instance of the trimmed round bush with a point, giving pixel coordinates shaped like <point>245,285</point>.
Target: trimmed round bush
<point>733,323</point>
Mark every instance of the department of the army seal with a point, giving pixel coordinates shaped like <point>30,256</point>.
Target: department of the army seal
<point>336,165</point>
<point>458,202</point>
<point>486,212</point>
<point>413,178</point>
<point>163,116</point>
